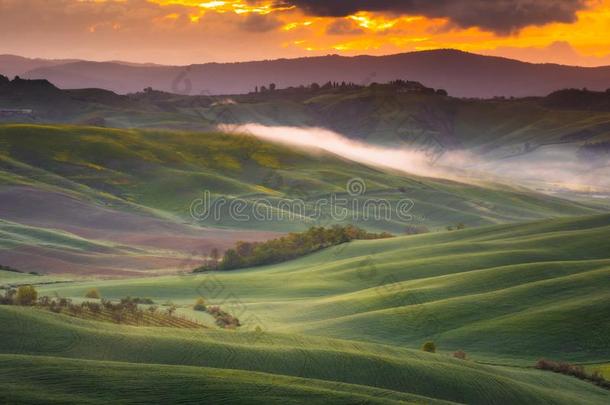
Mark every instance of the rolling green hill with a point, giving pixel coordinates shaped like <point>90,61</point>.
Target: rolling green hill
<point>160,172</point>
<point>519,291</point>
<point>112,361</point>
<point>112,201</point>
<point>345,324</point>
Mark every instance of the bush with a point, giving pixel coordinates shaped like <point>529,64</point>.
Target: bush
<point>429,347</point>
<point>9,297</point>
<point>93,294</point>
<point>143,301</point>
<point>416,229</point>
<point>577,371</point>
<point>26,295</point>
<point>200,305</point>
<point>94,307</point>
<point>460,354</point>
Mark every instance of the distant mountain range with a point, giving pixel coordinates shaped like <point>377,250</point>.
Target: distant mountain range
<point>461,74</point>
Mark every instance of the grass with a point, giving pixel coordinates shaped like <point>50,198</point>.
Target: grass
<point>343,325</point>
<point>103,382</point>
<point>290,363</point>
<point>517,292</point>
<point>162,172</point>
<point>346,325</point>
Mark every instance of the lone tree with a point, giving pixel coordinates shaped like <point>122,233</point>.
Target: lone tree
<point>429,347</point>
<point>26,295</point>
<point>93,293</point>
<point>199,305</point>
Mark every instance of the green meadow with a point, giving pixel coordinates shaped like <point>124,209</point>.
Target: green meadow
<point>527,278</point>
<point>343,325</point>
<point>161,172</point>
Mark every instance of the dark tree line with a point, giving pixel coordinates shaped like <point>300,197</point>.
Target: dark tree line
<point>291,246</point>
<point>399,85</point>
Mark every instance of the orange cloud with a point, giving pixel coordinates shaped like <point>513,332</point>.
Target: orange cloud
<point>192,31</point>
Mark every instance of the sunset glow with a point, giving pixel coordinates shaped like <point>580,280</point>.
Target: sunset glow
<point>194,31</point>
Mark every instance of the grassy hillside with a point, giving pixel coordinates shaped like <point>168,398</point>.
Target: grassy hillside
<point>102,382</point>
<point>272,367</point>
<point>343,325</point>
<point>163,172</point>
<point>516,292</point>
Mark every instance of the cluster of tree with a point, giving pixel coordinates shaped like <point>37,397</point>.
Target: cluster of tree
<point>457,227</point>
<point>409,86</point>
<point>573,370</point>
<point>127,310</point>
<point>223,319</point>
<point>24,295</point>
<point>291,246</point>
<point>578,99</point>
<point>25,84</point>
<point>399,85</point>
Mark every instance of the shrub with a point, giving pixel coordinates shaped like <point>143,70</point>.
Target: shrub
<point>94,307</point>
<point>460,354</point>
<point>213,310</point>
<point>93,294</point>
<point>9,297</point>
<point>199,305</point>
<point>144,301</point>
<point>416,229</point>
<point>573,370</point>
<point>64,302</point>
<point>429,347</point>
<point>26,295</point>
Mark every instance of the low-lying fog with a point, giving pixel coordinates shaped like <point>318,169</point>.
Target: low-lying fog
<point>547,169</point>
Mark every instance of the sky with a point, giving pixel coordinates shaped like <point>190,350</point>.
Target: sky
<point>181,32</point>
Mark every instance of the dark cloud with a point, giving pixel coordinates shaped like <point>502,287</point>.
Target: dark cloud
<point>344,27</point>
<point>500,16</point>
<point>260,23</point>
